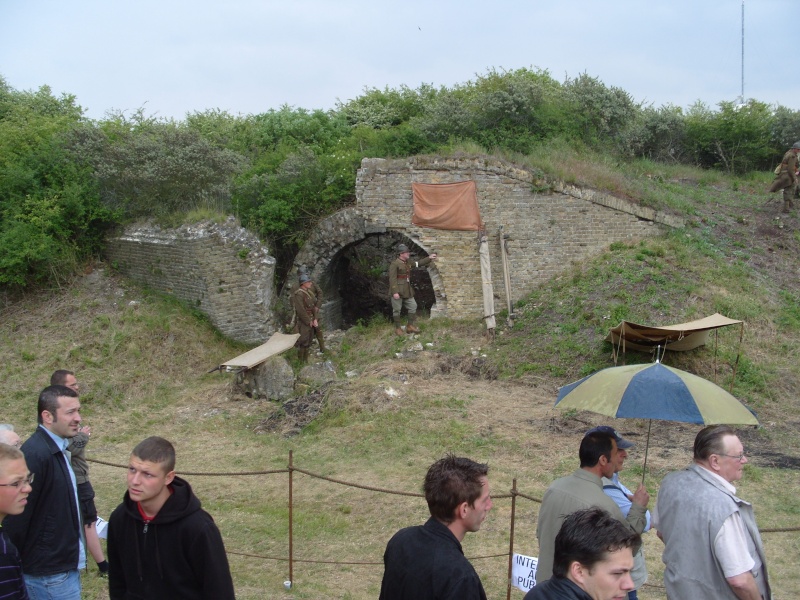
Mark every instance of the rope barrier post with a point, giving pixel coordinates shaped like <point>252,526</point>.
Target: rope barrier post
<point>291,557</point>
<point>511,538</point>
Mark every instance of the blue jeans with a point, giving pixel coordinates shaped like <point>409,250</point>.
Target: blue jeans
<point>633,595</point>
<point>61,586</point>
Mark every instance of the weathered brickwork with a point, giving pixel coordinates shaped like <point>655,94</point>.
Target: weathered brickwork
<point>549,231</point>
<point>221,269</point>
<point>228,274</point>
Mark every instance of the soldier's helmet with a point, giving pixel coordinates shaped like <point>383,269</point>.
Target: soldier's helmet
<point>796,145</point>
<point>402,248</point>
<point>304,277</point>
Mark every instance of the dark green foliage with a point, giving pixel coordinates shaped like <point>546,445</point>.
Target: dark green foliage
<point>64,179</point>
<point>50,214</point>
<point>145,167</point>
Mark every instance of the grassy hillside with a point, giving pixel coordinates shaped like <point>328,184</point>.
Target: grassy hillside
<point>142,360</point>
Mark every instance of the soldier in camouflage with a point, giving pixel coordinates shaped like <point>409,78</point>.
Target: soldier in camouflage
<point>786,177</point>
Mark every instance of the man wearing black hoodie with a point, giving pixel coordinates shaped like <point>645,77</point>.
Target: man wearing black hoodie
<point>161,544</point>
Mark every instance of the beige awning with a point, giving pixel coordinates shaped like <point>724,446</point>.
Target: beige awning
<point>684,336</point>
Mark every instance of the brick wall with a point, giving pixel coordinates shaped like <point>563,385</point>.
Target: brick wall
<point>549,231</point>
<point>220,269</point>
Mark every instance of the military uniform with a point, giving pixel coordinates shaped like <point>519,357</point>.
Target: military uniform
<point>785,179</point>
<point>400,283</point>
<point>317,293</point>
<point>303,303</point>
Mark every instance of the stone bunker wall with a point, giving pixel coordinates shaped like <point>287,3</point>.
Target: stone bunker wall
<point>221,269</point>
<point>551,225</point>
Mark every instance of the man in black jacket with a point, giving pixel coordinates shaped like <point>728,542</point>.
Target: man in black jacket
<point>161,544</point>
<point>426,562</point>
<point>593,559</point>
<point>48,532</point>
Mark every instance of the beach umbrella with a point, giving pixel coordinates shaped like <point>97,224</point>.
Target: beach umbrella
<point>654,391</point>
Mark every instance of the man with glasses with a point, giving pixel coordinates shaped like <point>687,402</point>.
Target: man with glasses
<point>712,545</point>
<point>10,437</point>
<point>15,485</point>
<point>48,532</point>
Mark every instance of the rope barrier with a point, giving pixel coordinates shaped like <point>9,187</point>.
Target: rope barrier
<point>291,559</point>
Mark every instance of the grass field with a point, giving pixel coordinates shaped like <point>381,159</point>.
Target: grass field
<point>143,359</point>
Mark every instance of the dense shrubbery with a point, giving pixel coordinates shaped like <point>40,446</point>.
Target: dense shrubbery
<point>64,179</point>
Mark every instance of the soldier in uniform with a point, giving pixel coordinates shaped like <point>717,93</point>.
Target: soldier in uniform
<point>786,176</point>
<point>317,292</point>
<point>401,290</point>
<point>304,308</point>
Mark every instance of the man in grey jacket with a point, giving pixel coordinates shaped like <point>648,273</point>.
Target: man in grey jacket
<point>713,548</point>
<point>584,489</point>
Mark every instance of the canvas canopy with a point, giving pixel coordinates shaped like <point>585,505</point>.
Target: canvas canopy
<point>451,206</point>
<point>681,337</point>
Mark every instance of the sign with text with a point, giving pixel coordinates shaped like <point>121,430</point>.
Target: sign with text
<point>523,572</point>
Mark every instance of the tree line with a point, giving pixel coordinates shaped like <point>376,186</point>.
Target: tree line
<point>65,180</point>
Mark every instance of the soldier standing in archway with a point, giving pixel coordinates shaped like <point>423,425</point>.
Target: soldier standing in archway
<point>400,288</point>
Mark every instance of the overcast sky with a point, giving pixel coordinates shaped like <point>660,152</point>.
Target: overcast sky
<point>248,56</point>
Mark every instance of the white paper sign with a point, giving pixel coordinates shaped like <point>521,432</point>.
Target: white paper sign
<point>102,528</point>
<point>523,572</point>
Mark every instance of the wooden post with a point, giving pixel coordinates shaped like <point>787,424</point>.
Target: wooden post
<point>511,537</point>
<point>291,563</point>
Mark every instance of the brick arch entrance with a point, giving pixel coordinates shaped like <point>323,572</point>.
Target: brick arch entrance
<point>348,257</point>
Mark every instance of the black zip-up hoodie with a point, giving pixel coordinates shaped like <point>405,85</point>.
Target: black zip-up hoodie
<point>179,555</point>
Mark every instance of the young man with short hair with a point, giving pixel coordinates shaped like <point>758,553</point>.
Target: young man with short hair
<point>15,485</point>
<point>161,543</point>
<point>593,559</point>
<point>77,450</point>
<point>48,532</point>
<point>427,562</point>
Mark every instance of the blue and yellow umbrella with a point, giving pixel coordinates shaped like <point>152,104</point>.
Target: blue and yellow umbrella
<point>654,391</point>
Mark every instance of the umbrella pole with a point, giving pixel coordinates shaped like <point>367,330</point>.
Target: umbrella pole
<point>646,448</point>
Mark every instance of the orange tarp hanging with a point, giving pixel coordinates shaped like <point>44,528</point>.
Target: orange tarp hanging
<point>451,206</point>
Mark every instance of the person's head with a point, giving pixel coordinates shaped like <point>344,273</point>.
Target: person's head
<point>402,252</point>
<point>59,410</point>
<point>622,444</point>
<point>718,449</point>
<point>304,280</point>
<point>151,469</point>
<point>599,452</point>
<point>457,488</point>
<point>9,436</point>
<point>65,378</point>
<point>796,147</point>
<point>15,481</point>
<point>595,551</point>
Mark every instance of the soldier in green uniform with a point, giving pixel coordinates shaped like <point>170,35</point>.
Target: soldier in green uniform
<point>317,292</point>
<point>401,290</point>
<point>303,302</point>
<point>786,176</point>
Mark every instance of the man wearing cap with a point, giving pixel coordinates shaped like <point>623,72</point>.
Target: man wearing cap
<point>786,176</point>
<point>303,302</point>
<point>584,489</point>
<point>400,288</point>
<point>614,489</point>
<point>316,291</point>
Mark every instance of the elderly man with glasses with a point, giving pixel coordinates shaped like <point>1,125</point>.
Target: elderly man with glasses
<point>713,548</point>
<point>9,436</point>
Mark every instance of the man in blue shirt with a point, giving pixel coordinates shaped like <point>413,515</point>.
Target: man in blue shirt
<point>615,490</point>
<point>48,532</point>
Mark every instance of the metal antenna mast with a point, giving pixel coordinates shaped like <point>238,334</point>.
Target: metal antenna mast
<point>741,98</point>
